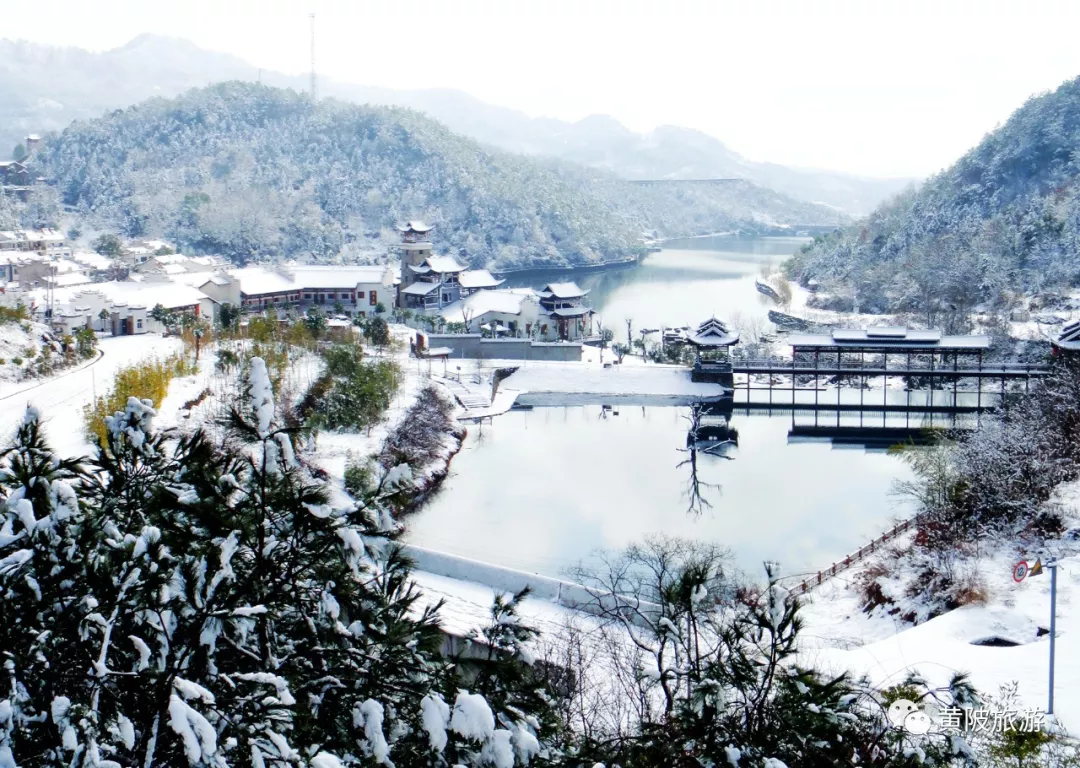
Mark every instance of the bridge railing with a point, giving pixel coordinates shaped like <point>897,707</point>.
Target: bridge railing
<point>782,366</point>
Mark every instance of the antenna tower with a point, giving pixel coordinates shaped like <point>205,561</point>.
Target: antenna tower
<point>314,81</point>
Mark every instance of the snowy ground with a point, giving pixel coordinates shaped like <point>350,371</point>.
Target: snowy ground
<point>838,636</point>
<point>62,397</point>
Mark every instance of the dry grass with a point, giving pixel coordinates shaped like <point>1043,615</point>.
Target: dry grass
<point>146,381</point>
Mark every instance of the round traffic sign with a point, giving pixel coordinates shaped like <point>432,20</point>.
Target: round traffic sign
<point>1020,571</point>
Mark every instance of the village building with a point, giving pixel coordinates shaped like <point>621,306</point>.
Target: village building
<point>1068,341</point>
<point>713,340</point>
<point>14,173</point>
<point>176,264</point>
<point>563,303</point>
<point>358,289</point>
<point>120,308</point>
<point>553,314</point>
<point>513,313</point>
<point>430,282</point>
<point>46,242</point>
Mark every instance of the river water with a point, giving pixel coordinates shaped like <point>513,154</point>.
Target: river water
<point>544,489</point>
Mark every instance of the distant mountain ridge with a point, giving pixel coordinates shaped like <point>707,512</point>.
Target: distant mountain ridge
<point>250,171</point>
<point>44,88</point>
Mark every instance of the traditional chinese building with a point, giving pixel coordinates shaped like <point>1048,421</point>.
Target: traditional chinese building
<point>562,301</point>
<point>713,340</point>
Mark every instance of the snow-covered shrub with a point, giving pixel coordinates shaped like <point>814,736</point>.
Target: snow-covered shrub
<point>419,438</point>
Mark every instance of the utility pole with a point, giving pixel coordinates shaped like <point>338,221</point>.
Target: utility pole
<point>1053,566</point>
<point>314,81</point>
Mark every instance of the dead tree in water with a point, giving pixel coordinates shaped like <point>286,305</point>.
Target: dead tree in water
<point>695,486</point>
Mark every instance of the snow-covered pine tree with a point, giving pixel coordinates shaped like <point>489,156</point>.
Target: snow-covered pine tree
<point>502,670</point>
<point>43,559</point>
<point>221,612</point>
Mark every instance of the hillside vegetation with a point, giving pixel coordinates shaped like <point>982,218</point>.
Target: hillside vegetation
<point>1005,219</point>
<point>43,88</point>
<point>246,171</point>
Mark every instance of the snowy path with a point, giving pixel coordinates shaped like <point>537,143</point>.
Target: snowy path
<point>5,394</point>
<point>62,397</point>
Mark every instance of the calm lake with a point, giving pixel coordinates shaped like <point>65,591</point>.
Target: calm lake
<point>689,281</point>
<point>543,489</point>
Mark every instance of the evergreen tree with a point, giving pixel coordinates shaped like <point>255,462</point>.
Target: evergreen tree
<point>181,603</point>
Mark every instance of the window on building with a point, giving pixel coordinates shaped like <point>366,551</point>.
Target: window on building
<point>138,324</point>
<point>446,298</point>
<point>374,299</point>
<point>307,295</point>
<point>359,294</point>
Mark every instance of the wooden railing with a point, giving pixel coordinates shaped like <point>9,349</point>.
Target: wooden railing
<point>855,557</point>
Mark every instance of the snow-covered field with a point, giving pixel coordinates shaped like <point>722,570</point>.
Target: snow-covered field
<point>839,636</point>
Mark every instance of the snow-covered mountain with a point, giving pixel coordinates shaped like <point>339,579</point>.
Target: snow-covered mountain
<point>43,88</point>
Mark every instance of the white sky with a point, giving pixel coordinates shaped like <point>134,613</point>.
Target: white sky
<point>869,87</point>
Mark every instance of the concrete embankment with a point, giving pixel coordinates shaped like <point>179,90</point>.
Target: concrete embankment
<point>585,384</point>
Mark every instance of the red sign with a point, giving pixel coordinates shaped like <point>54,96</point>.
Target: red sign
<point>1020,571</point>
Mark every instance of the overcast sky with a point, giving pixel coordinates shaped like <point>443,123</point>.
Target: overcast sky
<point>868,87</point>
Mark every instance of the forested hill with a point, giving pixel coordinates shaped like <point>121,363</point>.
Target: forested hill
<point>247,171</point>
<point>1005,219</point>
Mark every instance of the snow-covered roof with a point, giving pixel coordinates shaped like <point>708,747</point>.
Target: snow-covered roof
<point>419,269</point>
<point>562,291</point>
<point>169,295</point>
<point>32,235</point>
<point>572,312</point>
<point>91,259</point>
<point>420,289</point>
<point>64,266</point>
<point>443,264</point>
<point>171,258</point>
<point>174,269</point>
<point>205,261</point>
<point>1069,338</point>
<point>888,336</point>
<point>417,226</point>
<point>713,333</point>
<point>504,302</point>
<point>478,278</point>
<point>255,281</point>
<point>67,278</point>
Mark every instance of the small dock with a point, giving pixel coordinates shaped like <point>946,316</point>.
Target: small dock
<point>476,400</point>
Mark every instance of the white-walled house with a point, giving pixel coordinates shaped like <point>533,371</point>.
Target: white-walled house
<point>514,312</point>
<point>553,314</point>
<point>127,306</point>
<point>359,289</point>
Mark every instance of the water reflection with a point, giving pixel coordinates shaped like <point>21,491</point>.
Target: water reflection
<point>710,435</point>
<point>546,488</point>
